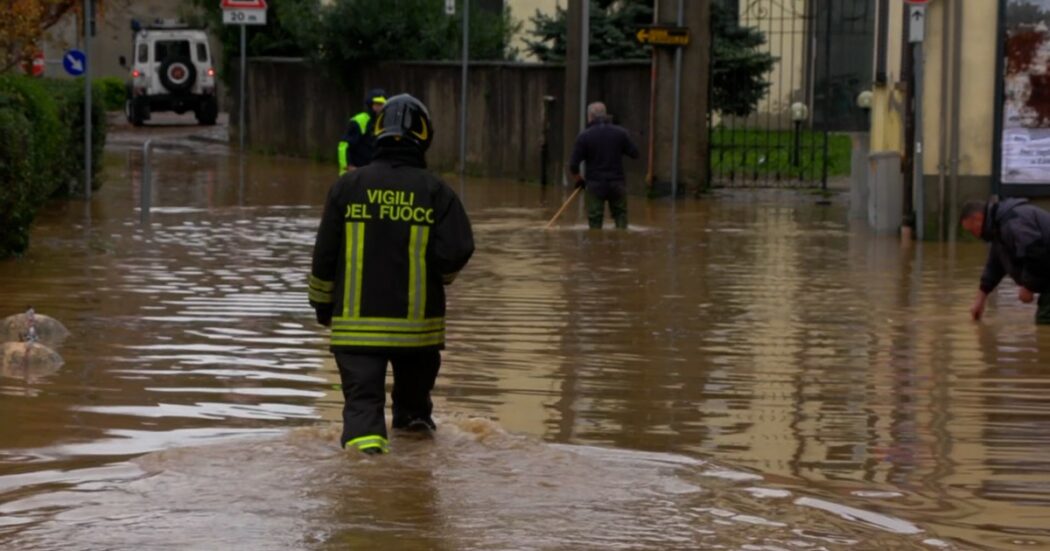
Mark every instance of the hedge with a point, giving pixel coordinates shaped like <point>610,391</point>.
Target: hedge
<point>41,136</point>
<point>112,92</point>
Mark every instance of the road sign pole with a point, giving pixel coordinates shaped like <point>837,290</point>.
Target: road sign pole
<point>463,93</point>
<point>827,99</point>
<point>243,13</point>
<point>676,128</point>
<point>244,64</point>
<point>917,35</point>
<point>87,100</point>
<point>585,54</point>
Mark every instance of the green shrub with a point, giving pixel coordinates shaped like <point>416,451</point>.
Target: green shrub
<point>69,96</point>
<point>41,132</point>
<point>758,154</point>
<point>111,93</point>
<point>16,177</point>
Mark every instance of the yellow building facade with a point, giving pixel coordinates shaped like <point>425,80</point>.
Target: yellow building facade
<point>522,11</point>
<point>957,138</point>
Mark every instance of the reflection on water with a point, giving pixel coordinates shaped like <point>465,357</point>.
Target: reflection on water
<point>743,372</point>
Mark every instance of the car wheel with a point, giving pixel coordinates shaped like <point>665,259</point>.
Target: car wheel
<point>178,74</point>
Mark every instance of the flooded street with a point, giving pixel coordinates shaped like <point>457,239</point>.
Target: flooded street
<point>742,372</point>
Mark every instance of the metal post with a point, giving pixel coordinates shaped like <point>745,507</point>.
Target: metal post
<point>827,93</point>
<point>244,69</point>
<point>676,128</point>
<point>87,98</point>
<point>797,153</point>
<point>585,40</point>
<point>146,187</point>
<point>548,102</point>
<point>917,174</point>
<point>463,92</point>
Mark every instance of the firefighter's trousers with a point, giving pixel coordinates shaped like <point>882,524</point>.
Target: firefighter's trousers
<point>364,392</point>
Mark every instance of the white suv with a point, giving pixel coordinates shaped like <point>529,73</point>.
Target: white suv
<point>171,70</point>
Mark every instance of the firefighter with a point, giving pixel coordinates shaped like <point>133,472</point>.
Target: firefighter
<point>357,144</point>
<point>391,237</point>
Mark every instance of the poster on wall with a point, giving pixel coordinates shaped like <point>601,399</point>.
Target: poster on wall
<point>1025,86</point>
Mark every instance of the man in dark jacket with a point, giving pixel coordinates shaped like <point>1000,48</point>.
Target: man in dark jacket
<point>356,147</point>
<point>1019,235</point>
<point>392,235</point>
<point>602,146</point>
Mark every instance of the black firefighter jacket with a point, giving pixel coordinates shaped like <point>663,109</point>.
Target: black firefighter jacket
<point>1019,234</point>
<point>391,236</point>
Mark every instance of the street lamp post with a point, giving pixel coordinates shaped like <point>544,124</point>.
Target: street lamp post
<point>799,114</point>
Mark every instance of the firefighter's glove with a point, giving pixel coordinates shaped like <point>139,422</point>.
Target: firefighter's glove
<point>580,183</point>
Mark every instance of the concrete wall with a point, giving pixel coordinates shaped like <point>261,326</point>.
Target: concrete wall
<point>521,11</point>
<point>505,117</point>
<point>971,122</point>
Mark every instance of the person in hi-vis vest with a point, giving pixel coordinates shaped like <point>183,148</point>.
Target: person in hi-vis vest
<point>358,143</point>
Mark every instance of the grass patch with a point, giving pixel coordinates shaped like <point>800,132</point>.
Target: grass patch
<point>741,154</point>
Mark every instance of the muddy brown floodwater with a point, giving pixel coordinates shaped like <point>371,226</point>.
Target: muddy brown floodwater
<point>747,371</point>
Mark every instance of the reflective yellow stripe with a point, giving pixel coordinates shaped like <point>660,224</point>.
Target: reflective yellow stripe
<point>387,339</point>
<point>320,284</point>
<point>318,296</point>
<point>355,252</point>
<point>389,325</point>
<point>359,268</point>
<point>417,271</point>
<point>370,441</point>
<point>411,331</point>
<point>342,157</point>
<point>362,120</point>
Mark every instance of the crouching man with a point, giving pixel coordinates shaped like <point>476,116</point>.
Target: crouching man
<point>1019,237</point>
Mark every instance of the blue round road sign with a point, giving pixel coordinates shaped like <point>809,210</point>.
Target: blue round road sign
<point>75,62</point>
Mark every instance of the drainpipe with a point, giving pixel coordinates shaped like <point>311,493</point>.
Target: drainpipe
<point>908,161</point>
<point>942,140</point>
<point>957,46</point>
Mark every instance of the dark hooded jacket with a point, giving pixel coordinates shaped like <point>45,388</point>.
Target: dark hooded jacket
<point>602,145</point>
<point>1019,234</point>
<point>391,235</point>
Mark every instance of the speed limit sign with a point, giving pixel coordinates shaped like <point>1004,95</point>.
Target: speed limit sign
<point>244,12</point>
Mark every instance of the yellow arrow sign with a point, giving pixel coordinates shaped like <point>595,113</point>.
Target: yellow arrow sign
<point>663,36</point>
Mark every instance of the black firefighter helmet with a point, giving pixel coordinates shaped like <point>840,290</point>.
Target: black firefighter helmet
<point>404,119</point>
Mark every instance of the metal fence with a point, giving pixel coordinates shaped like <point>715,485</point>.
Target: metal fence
<point>798,134</point>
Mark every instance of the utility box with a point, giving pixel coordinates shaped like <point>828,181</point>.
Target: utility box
<point>885,192</point>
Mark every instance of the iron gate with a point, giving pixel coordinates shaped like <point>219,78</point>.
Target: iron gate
<point>798,134</point>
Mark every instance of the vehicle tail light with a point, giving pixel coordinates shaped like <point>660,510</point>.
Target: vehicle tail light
<point>211,71</point>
